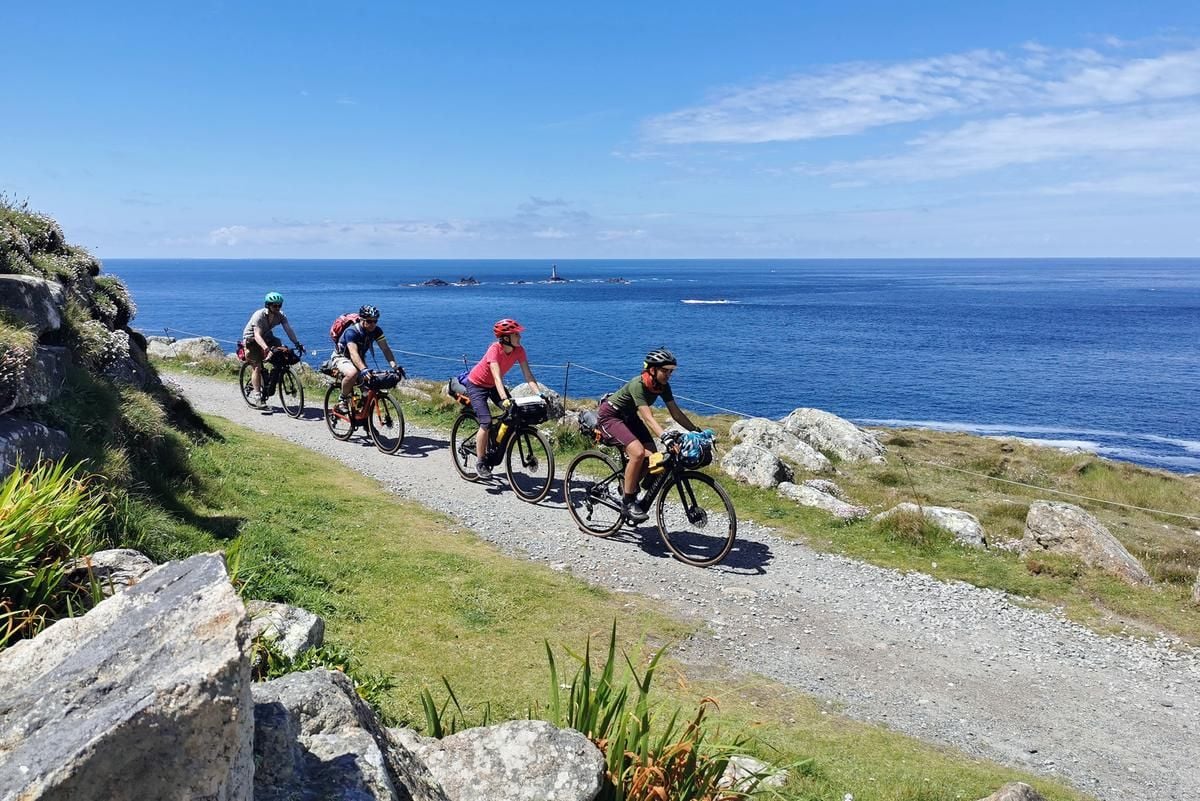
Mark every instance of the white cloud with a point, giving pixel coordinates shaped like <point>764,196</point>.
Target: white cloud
<point>551,233</point>
<point>615,234</point>
<point>1145,184</point>
<point>330,232</point>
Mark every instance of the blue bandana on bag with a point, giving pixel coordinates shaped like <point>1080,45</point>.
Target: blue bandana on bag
<point>695,448</point>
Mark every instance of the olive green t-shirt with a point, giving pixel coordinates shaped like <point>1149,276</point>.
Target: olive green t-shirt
<point>626,400</point>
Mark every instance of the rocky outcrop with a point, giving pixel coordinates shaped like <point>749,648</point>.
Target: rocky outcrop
<point>292,629</point>
<point>43,379</point>
<point>153,676</point>
<point>1065,528</point>
<point>831,434</point>
<point>555,406</point>
<point>515,761</point>
<point>112,571</point>
<point>34,301</point>
<point>190,348</point>
<point>24,442</point>
<point>826,486</point>
<point>783,443</point>
<point>963,525</point>
<point>1015,791</point>
<point>809,496</point>
<point>316,739</point>
<point>756,466</point>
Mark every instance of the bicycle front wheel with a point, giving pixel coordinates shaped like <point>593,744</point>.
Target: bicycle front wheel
<point>696,519</point>
<point>387,424</point>
<point>592,490</point>
<point>245,382</point>
<point>339,424</point>
<point>462,445</point>
<point>529,462</point>
<point>291,394</point>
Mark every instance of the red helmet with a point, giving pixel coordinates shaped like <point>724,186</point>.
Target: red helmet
<point>506,326</point>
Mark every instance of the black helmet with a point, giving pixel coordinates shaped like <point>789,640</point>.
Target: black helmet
<point>368,312</point>
<point>659,357</point>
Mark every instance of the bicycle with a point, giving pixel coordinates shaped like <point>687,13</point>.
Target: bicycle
<point>277,376</point>
<point>512,437</point>
<point>693,513</point>
<point>370,408</point>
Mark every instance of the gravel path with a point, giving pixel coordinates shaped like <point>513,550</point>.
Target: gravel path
<point>946,662</point>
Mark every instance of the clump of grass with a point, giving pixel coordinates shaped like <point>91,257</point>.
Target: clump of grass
<point>48,516</point>
<point>1054,565</point>
<point>889,478</point>
<point>913,528</point>
<point>119,308</point>
<point>268,662</point>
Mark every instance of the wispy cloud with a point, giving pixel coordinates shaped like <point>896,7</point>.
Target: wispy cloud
<point>345,233</point>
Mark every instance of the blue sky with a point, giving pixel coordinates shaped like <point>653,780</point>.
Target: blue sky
<point>618,130</point>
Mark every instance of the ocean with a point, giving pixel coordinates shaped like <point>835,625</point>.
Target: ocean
<point>1097,354</point>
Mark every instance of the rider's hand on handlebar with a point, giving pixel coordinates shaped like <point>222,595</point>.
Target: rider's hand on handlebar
<point>506,404</point>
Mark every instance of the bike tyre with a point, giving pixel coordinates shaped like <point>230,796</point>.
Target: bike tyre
<point>462,446</point>
<point>386,406</point>
<point>342,428</point>
<point>245,382</point>
<point>682,486</point>
<point>291,394</point>
<point>587,470</point>
<point>539,448</point>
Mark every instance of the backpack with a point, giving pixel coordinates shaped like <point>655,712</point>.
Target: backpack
<point>341,324</point>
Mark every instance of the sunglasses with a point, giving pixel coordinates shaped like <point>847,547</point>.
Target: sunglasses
<point>274,305</point>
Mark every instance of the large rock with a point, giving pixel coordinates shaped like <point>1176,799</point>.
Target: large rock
<point>292,629</point>
<point>24,442</point>
<point>112,571</point>
<point>745,774</point>
<point>963,525</point>
<point>145,696</point>
<point>34,301</point>
<point>778,440</point>
<point>831,434</point>
<point>554,401</point>
<point>199,348</point>
<point>1067,529</point>
<point>161,347</point>
<point>1015,791</point>
<point>756,466</point>
<point>522,760</point>
<point>43,380</point>
<point>810,496</point>
<point>321,741</point>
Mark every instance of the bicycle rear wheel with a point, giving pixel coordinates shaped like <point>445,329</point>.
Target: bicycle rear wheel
<point>592,490</point>
<point>291,394</point>
<point>529,462</point>
<point>245,382</point>
<point>339,424</point>
<point>696,519</point>
<point>387,424</point>
<point>462,445</point>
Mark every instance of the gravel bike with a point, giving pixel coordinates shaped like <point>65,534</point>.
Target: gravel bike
<point>277,377</point>
<point>693,513</point>
<point>513,438</point>
<point>370,407</point>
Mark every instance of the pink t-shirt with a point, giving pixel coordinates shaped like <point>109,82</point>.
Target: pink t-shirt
<point>481,374</point>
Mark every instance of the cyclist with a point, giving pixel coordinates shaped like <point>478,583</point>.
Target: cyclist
<point>626,417</point>
<point>352,348</point>
<point>485,380</point>
<point>260,340</point>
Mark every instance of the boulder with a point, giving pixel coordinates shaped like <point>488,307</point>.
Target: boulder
<point>199,348</point>
<point>826,486</point>
<point>963,525</point>
<point>808,496</point>
<point>319,740</point>
<point>113,570</point>
<point>522,760</point>
<point>24,442</point>
<point>1067,529</point>
<point>43,381</point>
<point>740,772</point>
<point>831,434</point>
<point>553,400</point>
<point>145,696</point>
<point>783,443</point>
<point>292,629</point>
<point>756,466</point>
<point>1015,791</point>
<point>161,347</point>
<point>36,302</point>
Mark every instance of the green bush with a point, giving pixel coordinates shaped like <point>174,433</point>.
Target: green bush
<point>268,662</point>
<point>48,516</point>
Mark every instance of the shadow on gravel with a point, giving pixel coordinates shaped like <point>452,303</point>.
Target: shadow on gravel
<point>420,447</point>
<point>746,556</point>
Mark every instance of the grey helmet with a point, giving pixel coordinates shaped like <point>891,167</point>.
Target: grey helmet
<point>659,357</point>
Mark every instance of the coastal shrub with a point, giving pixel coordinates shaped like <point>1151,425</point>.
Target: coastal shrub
<point>48,516</point>
<point>17,350</point>
<point>37,230</point>
<point>114,291</point>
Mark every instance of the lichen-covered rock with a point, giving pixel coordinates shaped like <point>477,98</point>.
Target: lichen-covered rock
<point>42,381</point>
<point>292,629</point>
<point>1067,529</point>
<point>826,486</point>
<point>963,525</point>
<point>831,434</point>
<point>808,496</point>
<point>522,760</point>
<point>1015,791</point>
<point>554,402</point>
<point>778,440</point>
<point>34,301</point>
<point>145,696</point>
<point>756,466</point>
<point>113,571</point>
<point>199,348</point>
<point>24,442</point>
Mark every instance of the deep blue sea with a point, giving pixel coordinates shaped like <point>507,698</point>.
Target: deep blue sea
<point>1101,354</point>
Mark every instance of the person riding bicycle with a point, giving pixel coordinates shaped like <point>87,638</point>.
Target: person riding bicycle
<point>352,348</point>
<point>486,380</point>
<point>260,340</point>
<point>625,416</point>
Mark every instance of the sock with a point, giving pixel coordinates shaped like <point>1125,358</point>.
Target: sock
<point>630,498</point>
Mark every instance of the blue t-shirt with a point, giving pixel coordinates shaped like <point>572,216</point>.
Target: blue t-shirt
<point>360,336</point>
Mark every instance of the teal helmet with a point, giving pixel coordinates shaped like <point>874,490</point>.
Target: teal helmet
<point>273,297</point>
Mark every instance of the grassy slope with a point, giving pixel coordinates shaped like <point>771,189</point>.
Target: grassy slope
<point>417,597</point>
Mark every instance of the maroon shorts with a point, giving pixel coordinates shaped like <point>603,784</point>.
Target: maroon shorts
<point>614,427</point>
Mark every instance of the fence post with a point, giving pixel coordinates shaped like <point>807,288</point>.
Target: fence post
<point>566,381</point>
